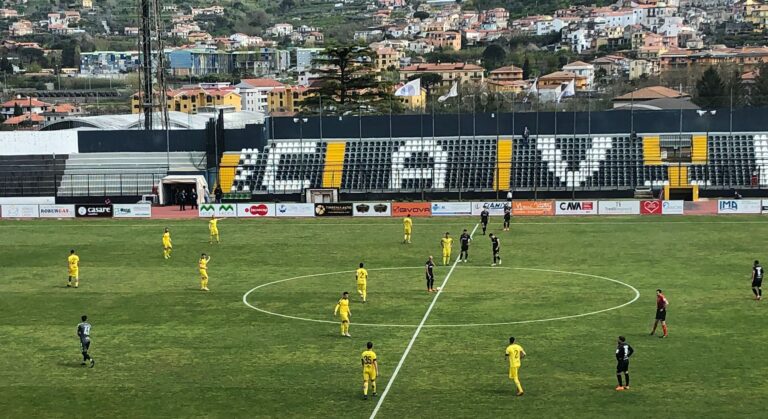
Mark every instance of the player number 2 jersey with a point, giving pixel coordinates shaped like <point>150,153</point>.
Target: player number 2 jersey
<point>514,351</point>
<point>362,276</point>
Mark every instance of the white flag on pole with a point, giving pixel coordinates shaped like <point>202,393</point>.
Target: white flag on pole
<point>451,93</point>
<point>412,88</point>
<point>570,90</point>
<point>532,90</point>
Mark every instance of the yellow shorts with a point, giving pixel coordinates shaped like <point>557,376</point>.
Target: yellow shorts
<point>344,317</point>
<point>446,252</point>
<point>203,274</point>
<point>407,231</point>
<point>513,372</point>
<point>362,287</point>
<point>215,232</point>
<point>369,374</point>
<point>167,245</point>
<point>74,273</point>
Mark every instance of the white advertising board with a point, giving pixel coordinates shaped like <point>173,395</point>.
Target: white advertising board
<point>371,209</point>
<point>28,200</point>
<point>494,207</point>
<point>576,208</point>
<point>132,210</point>
<point>672,207</point>
<point>739,206</point>
<point>618,207</point>
<point>219,210</point>
<point>20,211</point>
<point>295,210</point>
<point>256,210</point>
<point>57,211</point>
<point>451,208</point>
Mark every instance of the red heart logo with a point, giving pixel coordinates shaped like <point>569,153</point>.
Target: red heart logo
<point>652,207</point>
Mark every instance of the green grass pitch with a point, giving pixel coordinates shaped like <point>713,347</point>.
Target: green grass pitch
<point>165,349</point>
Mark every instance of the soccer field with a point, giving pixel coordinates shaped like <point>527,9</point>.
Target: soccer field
<point>567,288</point>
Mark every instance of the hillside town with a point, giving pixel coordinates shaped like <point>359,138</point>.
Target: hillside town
<point>652,50</point>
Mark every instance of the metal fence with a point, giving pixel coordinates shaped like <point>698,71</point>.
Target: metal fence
<point>70,185</point>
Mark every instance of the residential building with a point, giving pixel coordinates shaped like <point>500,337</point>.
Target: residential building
<point>301,58</point>
<point>280,30</point>
<point>215,10</point>
<point>445,40</point>
<point>26,104</point>
<point>86,4</point>
<point>8,13</point>
<point>109,62</point>
<point>508,73</point>
<point>582,69</point>
<point>386,58</point>
<point>559,78</point>
<point>288,99</point>
<point>25,121</point>
<point>254,93</point>
<point>613,65</point>
<point>746,57</point>
<point>21,27</point>
<point>196,98</point>
<point>131,31</point>
<point>647,94</point>
<point>508,86</point>
<point>199,62</point>
<point>60,111</point>
<point>641,68</point>
<point>450,72</point>
<point>414,103</point>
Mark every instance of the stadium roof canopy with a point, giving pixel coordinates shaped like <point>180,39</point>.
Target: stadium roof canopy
<point>178,120</point>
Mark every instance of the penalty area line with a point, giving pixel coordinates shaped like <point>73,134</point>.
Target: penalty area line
<point>416,335</point>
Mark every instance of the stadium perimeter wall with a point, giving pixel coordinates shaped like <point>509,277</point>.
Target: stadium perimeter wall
<point>26,210</point>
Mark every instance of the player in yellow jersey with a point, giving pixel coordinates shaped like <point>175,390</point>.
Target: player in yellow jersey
<point>447,244</point>
<point>362,282</point>
<point>370,370</point>
<point>407,227</point>
<point>73,263</point>
<point>213,228</point>
<point>342,309</point>
<point>515,353</point>
<point>167,245</point>
<point>202,264</point>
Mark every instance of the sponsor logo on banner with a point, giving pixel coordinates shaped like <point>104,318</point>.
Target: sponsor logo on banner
<point>740,206</point>
<point>255,210</point>
<point>295,210</point>
<point>20,211</point>
<point>618,207</point>
<point>57,211</point>
<point>333,209</point>
<point>673,207</point>
<point>765,206</point>
<point>575,208</point>
<point>132,210</point>
<point>651,207</point>
<point>451,208</point>
<point>371,209</point>
<point>533,208</point>
<point>415,209</point>
<point>218,210</point>
<point>493,207</point>
<point>93,211</point>
<point>700,207</point>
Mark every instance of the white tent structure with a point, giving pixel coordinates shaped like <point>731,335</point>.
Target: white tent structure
<point>198,182</point>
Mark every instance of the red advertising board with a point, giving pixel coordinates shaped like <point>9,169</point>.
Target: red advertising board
<point>650,207</point>
<point>533,208</point>
<point>415,209</point>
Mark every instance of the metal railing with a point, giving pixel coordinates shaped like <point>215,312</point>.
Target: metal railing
<point>70,185</point>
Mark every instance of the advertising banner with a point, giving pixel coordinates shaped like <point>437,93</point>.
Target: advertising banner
<point>493,207</point>
<point>651,207</point>
<point>618,207</point>
<point>451,208</point>
<point>295,210</point>
<point>28,200</point>
<point>255,210</point>
<point>335,209</point>
<point>673,207</point>
<point>765,206</point>
<point>57,211</point>
<point>415,209</point>
<point>371,209</point>
<point>20,211</point>
<point>132,210</point>
<point>575,208</point>
<point>700,207</point>
<point>219,210</point>
<point>533,208</point>
<point>90,211</point>
<point>739,206</point>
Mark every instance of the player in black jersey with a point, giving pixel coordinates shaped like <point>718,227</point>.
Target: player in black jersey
<point>507,216</point>
<point>464,239</point>
<point>623,352</point>
<point>495,247</point>
<point>484,219</point>
<point>757,281</point>
<point>84,333</point>
<point>429,271</point>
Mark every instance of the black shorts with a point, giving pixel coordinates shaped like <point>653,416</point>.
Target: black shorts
<point>85,344</point>
<point>464,248</point>
<point>496,251</point>
<point>430,276</point>
<point>484,222</point>
<point>507,218</point>
<point>757,283</point>
<point>622,366</point>
<point>661,315</point>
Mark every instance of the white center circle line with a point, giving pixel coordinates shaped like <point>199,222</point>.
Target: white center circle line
<point>550,319</point>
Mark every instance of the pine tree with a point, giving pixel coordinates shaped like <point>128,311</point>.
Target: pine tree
<point>759,93</point>
<point>526,69</point>
<point>710,90</point>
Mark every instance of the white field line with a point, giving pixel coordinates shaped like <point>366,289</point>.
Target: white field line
<point>416,335</point>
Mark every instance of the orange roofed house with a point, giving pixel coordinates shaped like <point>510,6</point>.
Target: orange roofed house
<point>450,72</point>
<point>199,98</point>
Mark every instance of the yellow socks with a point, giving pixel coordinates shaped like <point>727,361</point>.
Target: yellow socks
<point>373,384</point>
<point>518,385</point>
<point>365,388</point>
